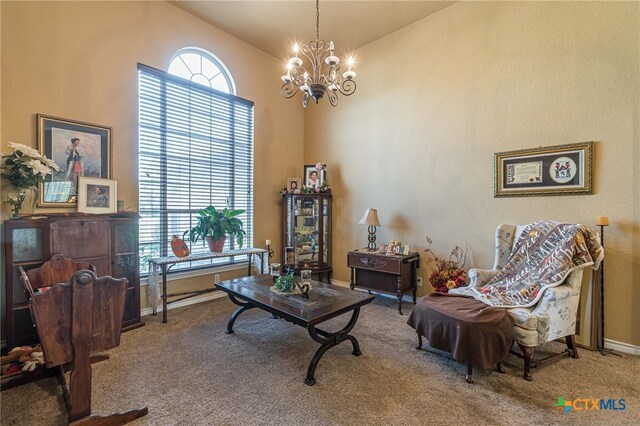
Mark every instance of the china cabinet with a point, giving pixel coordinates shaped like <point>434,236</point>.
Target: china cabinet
<point>306,233</point>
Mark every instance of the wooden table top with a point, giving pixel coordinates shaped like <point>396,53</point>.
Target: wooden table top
<point>323,301</point>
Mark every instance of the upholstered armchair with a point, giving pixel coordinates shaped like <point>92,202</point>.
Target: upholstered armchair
<point>552,317</point>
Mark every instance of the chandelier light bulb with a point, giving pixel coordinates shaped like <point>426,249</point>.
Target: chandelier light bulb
<point>295,49</point>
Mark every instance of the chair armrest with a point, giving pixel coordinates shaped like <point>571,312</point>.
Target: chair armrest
<point>555,301</point>
<point>480,277</point>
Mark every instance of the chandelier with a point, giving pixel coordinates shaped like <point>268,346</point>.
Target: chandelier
<point>323,78</point>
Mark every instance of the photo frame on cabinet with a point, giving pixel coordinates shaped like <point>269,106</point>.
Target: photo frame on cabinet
<point>79,149</point>
<point>313,177</point>
<point>97,195</point>
<point>293,184</point>
<point>552,170</point>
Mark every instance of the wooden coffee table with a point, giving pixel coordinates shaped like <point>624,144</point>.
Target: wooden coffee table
<point>322,303</point>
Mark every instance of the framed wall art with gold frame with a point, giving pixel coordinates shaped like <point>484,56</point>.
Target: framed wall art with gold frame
<point>79,149</point>
<point>552,170</point>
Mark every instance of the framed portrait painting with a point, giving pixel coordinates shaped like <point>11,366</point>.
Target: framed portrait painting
<point>552,170</point>
<point>314,177</point>
<point>79,149</point>
<point>293,184</point>
<point>96,195</point>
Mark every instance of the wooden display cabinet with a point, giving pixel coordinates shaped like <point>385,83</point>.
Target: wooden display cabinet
<point>108,241</point>
<point>306,233</point>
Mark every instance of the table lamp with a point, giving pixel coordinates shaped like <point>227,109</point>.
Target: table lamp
<point>371,218</point>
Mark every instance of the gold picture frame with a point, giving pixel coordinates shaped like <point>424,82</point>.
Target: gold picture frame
<point>552,170</point>
<point>79,149</point>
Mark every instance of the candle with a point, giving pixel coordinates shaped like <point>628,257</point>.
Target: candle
<point>331,48</point>
<point>602,220</point>
<point>268,242</point>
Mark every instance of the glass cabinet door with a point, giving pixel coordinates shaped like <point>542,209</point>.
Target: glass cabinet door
<point>307,231</point>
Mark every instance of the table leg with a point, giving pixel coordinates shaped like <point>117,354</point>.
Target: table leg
<point>164,293</point>
<point>352,284</point>
<point>415,290</point>
<point>399,294</point>
<point>243,307</point>
<point>329,340</point>
<point>249,271</point>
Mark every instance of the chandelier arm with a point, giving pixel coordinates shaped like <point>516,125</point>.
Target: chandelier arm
<point>289,90</point>
<point>347,88</point>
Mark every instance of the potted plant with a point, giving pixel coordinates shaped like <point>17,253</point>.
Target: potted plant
<point>213,226</point>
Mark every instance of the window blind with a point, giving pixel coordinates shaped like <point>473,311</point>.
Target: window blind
<point>195,150</point>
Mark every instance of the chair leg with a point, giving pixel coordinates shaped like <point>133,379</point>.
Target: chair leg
<point>571,345</point>
<point>527,351</point>
<point>419,342</point>
<point>500,368</point>
<point>469,376</point>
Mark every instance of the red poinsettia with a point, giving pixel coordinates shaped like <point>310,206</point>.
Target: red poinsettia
<point>448,273</point>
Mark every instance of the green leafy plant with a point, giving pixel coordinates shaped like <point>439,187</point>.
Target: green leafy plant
<point>216,224</point>
<point>285,283</point>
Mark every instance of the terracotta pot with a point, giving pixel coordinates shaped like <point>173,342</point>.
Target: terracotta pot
<point>215,246</point>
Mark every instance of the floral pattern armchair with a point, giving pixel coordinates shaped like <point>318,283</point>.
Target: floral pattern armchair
<point>553,317</point>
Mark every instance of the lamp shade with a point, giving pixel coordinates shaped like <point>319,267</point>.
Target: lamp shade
<point>370,218</point>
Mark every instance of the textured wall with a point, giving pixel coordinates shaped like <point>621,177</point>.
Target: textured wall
<point>438,98</point>
<point>78,60</point>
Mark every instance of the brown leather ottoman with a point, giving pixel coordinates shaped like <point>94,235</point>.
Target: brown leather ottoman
<point>468,329</point>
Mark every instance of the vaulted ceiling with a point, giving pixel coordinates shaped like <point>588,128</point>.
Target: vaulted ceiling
<point>273,26</point>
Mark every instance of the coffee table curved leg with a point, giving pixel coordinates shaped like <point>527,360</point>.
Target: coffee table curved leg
<point>329,340</point>
<point>243,307</point>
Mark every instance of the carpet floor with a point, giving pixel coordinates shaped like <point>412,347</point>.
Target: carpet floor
<point>189,371</point>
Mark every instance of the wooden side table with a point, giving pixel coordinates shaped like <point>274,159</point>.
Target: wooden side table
<point>394,274</point>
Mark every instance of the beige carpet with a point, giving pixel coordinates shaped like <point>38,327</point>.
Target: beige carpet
<point>189,372</point>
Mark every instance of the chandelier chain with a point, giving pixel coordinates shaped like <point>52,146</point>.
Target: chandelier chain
<point>317,20</point>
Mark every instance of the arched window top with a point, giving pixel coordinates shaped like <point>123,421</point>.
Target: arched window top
<point>202,67</point>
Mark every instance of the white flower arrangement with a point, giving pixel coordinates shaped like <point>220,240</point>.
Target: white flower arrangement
<point>25,167</point>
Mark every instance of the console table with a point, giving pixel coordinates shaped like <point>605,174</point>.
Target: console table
<point>165,263</point>
<point>393,274</point>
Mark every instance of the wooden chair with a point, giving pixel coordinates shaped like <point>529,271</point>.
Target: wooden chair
<point>76,319</point>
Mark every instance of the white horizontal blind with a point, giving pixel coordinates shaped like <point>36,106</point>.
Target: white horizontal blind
<point>195,150</point>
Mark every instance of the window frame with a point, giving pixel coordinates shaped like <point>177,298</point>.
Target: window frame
<point>165,210</point>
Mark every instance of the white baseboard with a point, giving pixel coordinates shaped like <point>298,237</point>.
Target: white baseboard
<point>622,347</point>
<point>186,302</point>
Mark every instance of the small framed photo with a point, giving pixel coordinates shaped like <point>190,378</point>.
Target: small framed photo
<point>313,177</point>
<point>552,170</point>
<point>96,195</point>
<point>405,249</point>
<point>293,184</point>
<point>382,248</point>
<point>79,149</point>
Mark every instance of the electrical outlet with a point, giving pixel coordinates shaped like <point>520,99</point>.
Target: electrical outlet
<point>419,281</point>
<point>216,277</point>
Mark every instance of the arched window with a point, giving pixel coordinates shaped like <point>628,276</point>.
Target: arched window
<point>202,67</point>
<point>195,150</point>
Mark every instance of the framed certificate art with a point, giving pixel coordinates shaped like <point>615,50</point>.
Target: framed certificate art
<point>553,170</point>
